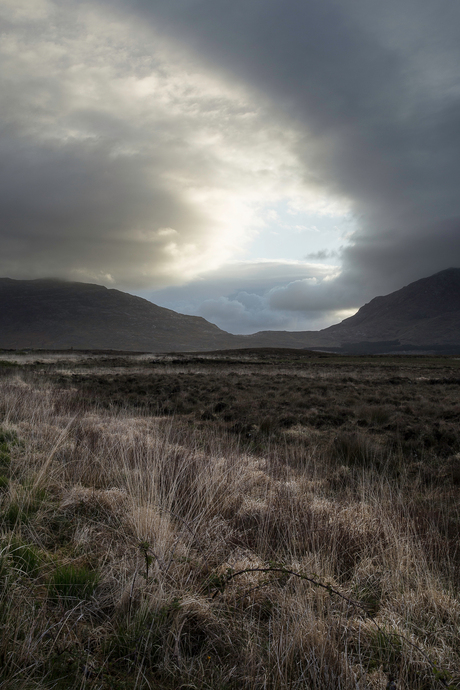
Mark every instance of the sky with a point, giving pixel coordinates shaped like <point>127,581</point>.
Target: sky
<point>265,164</point>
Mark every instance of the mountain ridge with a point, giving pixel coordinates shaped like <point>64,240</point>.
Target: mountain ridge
<point>55,314</point>
<point>410,315</point>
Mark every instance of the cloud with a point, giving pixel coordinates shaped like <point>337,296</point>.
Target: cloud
<point>322,254</point>
<point>303,295</point>
<point>121,156</point>
<point>240,297</point>
<point>249,313</point>
<point>374,88</point>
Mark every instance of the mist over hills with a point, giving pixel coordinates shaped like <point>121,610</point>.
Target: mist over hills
<point>52,314</point>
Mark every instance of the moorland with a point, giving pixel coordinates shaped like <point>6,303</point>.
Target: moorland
<point>252,519</point>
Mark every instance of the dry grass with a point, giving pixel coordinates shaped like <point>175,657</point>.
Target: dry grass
<point>122,534</point>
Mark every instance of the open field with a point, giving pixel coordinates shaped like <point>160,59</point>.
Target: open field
<point>260,520</point>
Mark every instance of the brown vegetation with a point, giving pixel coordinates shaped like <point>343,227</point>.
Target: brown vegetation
<point>249,520</point>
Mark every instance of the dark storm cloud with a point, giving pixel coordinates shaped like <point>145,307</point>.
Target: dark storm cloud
<point>58,210</point>
<point>375,88</point>
<point>120,160</point>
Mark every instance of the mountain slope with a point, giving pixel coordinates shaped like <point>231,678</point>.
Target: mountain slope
<point>58,315</point>
<point>426,312</point>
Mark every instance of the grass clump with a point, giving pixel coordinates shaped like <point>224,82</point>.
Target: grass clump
<point>25,557</point>
<point>23,506</point>
<point>72,583</point>
<point>7,440</point>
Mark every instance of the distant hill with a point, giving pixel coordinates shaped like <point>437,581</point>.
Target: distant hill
<point>52,314</point>
<point>424,313</point>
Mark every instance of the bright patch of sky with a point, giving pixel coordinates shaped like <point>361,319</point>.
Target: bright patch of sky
<point>289,233</point>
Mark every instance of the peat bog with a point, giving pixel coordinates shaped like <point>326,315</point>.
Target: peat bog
<point>255,519</point>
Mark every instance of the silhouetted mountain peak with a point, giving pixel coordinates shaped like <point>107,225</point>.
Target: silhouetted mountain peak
<point>427,308</point>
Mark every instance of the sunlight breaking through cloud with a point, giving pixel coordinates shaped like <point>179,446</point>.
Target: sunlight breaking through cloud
<point>135,163</point>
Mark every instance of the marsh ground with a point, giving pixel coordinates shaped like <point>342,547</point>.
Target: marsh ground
<point>135,487</point>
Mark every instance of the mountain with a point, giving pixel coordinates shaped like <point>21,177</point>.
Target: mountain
<point>52,314</point>
<point>424,313</point>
